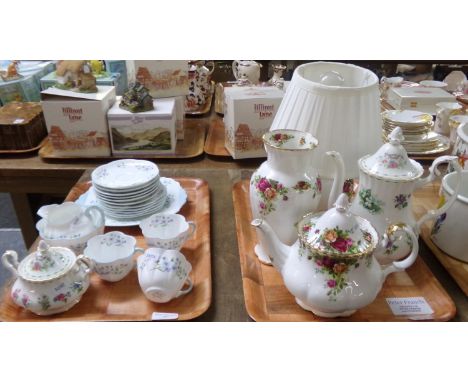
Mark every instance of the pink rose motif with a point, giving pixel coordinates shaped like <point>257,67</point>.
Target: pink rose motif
<point>319,262</point>
<point>262,205</point>
<point>270,193</point>
<point>328,262</point>
<point>277,137</point>
<point>318,183</point>
<point>393,164</point>
<point>342,244</point>
<point>331,283</point>
<point>263,185</point>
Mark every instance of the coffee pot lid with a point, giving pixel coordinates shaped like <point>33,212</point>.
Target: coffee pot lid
<point>391,161</point>
<point>338,232</point>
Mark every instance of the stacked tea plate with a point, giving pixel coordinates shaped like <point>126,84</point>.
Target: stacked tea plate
<point>417,128</point>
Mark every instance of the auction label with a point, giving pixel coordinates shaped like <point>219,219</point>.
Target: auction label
<point>409,306</point>
<point>164,316</point>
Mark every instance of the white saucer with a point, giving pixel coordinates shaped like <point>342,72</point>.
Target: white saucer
<point>176,198</point>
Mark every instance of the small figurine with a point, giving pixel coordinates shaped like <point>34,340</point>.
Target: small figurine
<point>137,99</point>
<point>277,79</point>
<point>11,73</point>
<point>75,75</point>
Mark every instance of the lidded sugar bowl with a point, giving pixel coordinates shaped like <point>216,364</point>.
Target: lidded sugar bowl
<point>50,280</point>
<point>331,269</point>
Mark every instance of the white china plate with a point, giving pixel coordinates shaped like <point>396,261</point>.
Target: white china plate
<point>176,198</point>
<point>132,201</point>
<point>407,117</point>
<point>443,145</point>
<point>125,174</point>
<point>128,191</point>
<point>455,80</point>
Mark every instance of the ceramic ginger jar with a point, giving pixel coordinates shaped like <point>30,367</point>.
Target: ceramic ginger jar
<point>331,269</point>
<point>48,281</point>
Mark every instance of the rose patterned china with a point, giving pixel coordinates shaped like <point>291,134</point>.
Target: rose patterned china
<point>331,269</point>
<point>287,186</point>
<point>277,79</point>
<point>163,273</point>
<point>449,232</point>
<point>48,281</point>
<point>460,148</point>
<point>168,231</point>
<point>246,70</point>
<point>112,255</point>
<point>70,225</point>
<point>387,180</point>
<point>444,111</point>
<point>454,122</point>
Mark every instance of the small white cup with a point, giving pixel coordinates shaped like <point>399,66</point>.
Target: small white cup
<point>112,255</point>
<point>167,231</point>
<point>163,273</point>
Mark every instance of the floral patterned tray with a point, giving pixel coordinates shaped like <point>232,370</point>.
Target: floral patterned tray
<point>267,299</point>
<point>124,300</point>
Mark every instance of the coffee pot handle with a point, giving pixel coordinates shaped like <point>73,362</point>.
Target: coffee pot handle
<point>433,173</point>
<point>213,66</point>
<point>10,261</point>
<point>400,265</point>
<point>235,65</point>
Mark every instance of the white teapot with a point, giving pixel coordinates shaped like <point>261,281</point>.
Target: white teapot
<point>387,180</point>
<point>50,280</point>
<point>70,225</point>
<point>246,70</point>
<point>331,269</point>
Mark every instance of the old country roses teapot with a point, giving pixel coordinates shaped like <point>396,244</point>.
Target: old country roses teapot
<point>387,181</point>
<point>50,280</point>
<point>331,269</point>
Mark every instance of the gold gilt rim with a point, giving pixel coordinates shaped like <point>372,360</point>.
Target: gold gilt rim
<point>336,256</point>
<point>279,131</point>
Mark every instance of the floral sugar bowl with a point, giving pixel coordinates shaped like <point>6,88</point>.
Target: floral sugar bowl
<point>387,180</point>
<point>50,280</point>
<point>331,270</point>
<point>70,225</point>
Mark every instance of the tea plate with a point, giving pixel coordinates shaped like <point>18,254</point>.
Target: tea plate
<point>407,117</point>
<point>176,198</point>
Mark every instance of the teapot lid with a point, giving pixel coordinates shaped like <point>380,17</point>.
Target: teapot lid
<point>391,161</point>
<point>46,264</point>
<point>338,232</point>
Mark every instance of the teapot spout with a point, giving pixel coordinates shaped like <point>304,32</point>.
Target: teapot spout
<point>338,181</point>
<point>277,251</point>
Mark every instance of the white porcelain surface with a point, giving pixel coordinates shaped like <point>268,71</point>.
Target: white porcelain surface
<point>163,273</point>
<point>449,232</point>
<point>112,255</point>
<point>460,148</point>
<point>176,198</point>
<point>335,115</point>
<point>70,225</point>
<point>287,186</point>
<point>454,122</point>
<point>455,80</point>
<point>168,231</point>
<point>407,117</point>
<point>434,84</point>
<point>444,111</point>
<point>246,70</point>
<point>331,269</point>
<point>48,281</point>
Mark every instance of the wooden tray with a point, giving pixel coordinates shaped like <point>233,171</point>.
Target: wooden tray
<point>214,144</point>
<point>124,300</point>
<point>190,147</point>
<point>25,151</point>
<point>425,199</point>
<point>267,299</point>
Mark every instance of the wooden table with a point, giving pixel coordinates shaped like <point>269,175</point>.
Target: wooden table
<point>28,174</point>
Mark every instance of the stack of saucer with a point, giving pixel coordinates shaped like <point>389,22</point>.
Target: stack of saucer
<point>129,189</point>
<point>417,128</point>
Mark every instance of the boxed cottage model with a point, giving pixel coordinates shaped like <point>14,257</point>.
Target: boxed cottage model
<point>248,114</point>
<point>146,133</point>
<point>163,78</point>
<point>77,122</point>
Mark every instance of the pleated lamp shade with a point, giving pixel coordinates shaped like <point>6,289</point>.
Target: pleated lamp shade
<point>337,103</point>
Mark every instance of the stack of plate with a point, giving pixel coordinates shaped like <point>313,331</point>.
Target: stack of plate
<point>129,189</point>
<point>417,128</point>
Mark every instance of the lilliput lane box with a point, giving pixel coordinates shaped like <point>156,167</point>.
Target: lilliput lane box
<point>145,133</point>
<point>248,114</point>
<point>77,122</point>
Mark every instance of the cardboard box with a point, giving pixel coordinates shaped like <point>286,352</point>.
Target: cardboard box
<point>163,78</point>
<point>248,114</point>
<point>77,122</point>
<point>148,133</point>
<point>418,98</point>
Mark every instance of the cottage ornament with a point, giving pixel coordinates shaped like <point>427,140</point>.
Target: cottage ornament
<point>75,75</point>
<point>137,99</point>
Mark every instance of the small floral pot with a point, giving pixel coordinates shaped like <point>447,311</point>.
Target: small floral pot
<point>167,231</point>
<point>460,148</point>
<point>162,274</point>
<point>112,255</point>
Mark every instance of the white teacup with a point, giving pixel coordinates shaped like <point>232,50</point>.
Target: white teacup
<point>163,273</point>
<point>167,231</point>
<point>112,255</point>
<point>449,232</point>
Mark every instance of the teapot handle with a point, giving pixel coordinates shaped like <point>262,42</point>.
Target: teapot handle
<point>11,265</point>
<point>401,265</point>
<point>101,218</point>
<point>235,65</point>
<point>433,173</point>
